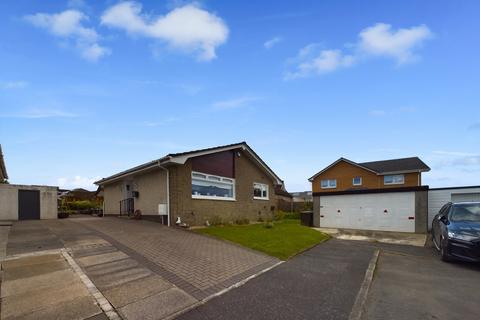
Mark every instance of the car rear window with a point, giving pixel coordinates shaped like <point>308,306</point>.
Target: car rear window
<point>469,212</point>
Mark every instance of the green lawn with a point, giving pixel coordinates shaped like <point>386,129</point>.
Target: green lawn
<point>284,240</point>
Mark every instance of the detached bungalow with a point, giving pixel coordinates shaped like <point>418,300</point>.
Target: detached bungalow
<point>227,182</point>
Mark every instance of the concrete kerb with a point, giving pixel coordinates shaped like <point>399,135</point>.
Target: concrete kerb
<point>361,298</point>
<point>106,307</point>
<point>236,285</point>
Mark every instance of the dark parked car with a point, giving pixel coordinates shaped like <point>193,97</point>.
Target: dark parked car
<point>456,231</point>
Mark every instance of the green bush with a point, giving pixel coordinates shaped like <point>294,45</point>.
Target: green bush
<point>268,225</point>
<point>81,205</point>
<point>280,215</point>
<point>242,221</point>
<point>216,221</point>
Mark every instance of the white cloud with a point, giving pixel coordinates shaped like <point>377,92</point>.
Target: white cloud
<point>13,85</point>
<point>272,42</point>
<point>377,113</point>
<point>381,40</point>
<point>69,25</point>
<point>77,182</point>
<point>465,160</point>
<point>374,41</point>
<point>326,61</point>
<point>39,113</point>
<point>234,103</point>
<point>188,28</point>
<point>162,122</point>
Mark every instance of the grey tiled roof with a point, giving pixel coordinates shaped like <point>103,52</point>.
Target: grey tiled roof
<point>396,165</point>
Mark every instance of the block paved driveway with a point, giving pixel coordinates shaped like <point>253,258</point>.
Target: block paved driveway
<point>144,269</point>
<point>198,264</point>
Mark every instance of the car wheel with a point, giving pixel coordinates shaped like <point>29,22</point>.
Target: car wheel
<point>443,251</point>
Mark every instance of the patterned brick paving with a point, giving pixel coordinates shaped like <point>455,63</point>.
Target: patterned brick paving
<point>198,264</point>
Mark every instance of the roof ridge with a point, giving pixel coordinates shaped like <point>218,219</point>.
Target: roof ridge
<point>394,159</point>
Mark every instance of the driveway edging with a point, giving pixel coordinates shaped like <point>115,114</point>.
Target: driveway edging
<point>361,299</point>
<point>104,304</point>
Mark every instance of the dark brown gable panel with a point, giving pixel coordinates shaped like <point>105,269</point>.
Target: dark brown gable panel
<point>219,164</point>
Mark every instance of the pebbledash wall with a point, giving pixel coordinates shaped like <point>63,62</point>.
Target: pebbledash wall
<point>9,201</point>
<point>198,211</point>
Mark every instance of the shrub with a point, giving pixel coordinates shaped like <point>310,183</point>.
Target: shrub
<point>279,215</point>
<point>292,215</point>
<point>216,221</point>
<point>268,225</point>
<point>242,221</point>
<point>81,205</point>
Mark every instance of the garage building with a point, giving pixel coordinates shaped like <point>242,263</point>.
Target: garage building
<point>384,195</point>
<point>25,202</point>
<point>437,197</point>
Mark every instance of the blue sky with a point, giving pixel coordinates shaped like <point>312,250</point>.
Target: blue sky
<point>89,88</point>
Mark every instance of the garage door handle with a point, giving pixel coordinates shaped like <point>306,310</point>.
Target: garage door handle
<point>321,216</point>
<point>411,218</point>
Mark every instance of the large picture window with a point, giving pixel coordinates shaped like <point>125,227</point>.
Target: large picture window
<point>207,186</point>
<point>260,191</point>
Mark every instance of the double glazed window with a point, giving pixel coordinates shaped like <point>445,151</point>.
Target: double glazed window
<point>328,183</point>
<point>394,179</point>
<point>207,186</point>
<point>357,181</point>
<point>260,191</point>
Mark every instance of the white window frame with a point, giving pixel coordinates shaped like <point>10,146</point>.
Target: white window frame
<point>265,186</point>
<point>393,179</point>
<point>357,184</point>
<point>329,185</point>
<point>213,178</point>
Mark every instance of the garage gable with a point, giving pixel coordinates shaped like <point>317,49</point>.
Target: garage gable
<point>343,171</point>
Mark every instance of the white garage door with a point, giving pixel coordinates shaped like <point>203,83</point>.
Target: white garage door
<point>376,211</point>
<point>463,197</point>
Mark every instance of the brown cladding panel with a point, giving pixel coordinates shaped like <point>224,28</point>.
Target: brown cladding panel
<point>344,173</point>
<point>220,164</point>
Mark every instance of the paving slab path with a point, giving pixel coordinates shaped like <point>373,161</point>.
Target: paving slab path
<point>44,287</point>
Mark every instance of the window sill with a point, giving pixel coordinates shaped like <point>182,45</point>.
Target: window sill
<point>258,198</point>
<point>328,187</point>
<point>212,198</point>
<point>393,183</point>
